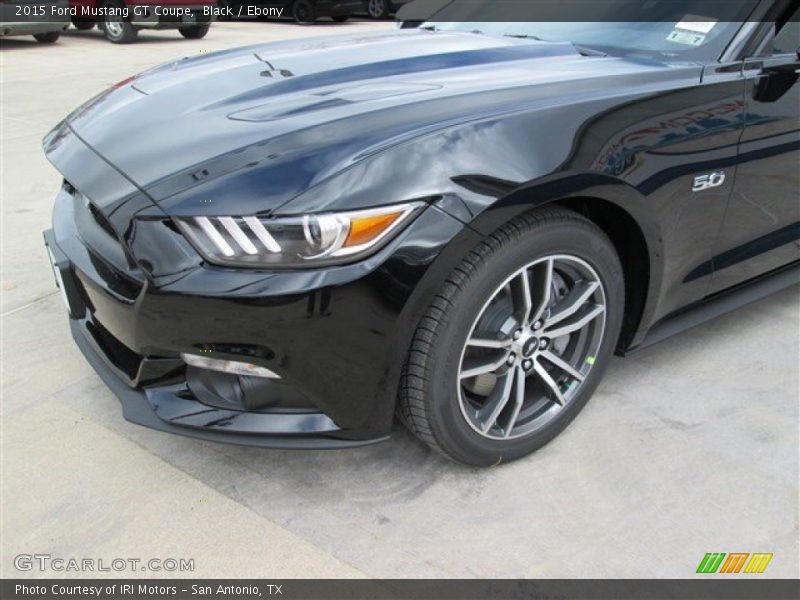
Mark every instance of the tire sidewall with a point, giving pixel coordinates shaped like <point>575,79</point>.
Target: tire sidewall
<point>450,426</point>
<point>195,32</point>
<point>310,11</point>
<point>50,37</point>
<point>82,24</point>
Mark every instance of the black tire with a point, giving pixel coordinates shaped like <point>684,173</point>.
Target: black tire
<point>378,9</point>
<point>82,24</point>
<point>47,38</point>
<point>195,32</point>
<point>304,12</point>
<point>429,391</point>
<point>340,18</point>
<point>118,31</point>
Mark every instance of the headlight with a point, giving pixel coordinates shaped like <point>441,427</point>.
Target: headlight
<point>302,241</point>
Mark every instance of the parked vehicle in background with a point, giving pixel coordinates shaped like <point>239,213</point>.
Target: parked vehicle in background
<point>380,9</point>
<point>122,26</point>
<point>302,11</point>
<point>44,32</point>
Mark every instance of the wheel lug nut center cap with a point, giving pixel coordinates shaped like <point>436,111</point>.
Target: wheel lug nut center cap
<point>530,346</point>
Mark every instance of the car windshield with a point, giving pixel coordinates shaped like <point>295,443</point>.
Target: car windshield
<point>680,33</point>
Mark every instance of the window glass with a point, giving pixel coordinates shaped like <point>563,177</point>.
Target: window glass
<point>788,39</point>
<point>679,29</point>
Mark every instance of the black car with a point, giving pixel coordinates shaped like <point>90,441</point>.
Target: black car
<point>285,245</point>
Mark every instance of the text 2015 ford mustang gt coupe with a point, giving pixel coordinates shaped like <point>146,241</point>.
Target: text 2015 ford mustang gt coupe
<point>286,245</point>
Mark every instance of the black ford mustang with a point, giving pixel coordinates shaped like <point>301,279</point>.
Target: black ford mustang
<point>285,245</point>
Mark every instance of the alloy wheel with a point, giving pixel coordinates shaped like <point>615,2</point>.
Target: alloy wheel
<point>114,28</point>
<point>303,11</point>
<point>531,347</point>
<point>377,8</point>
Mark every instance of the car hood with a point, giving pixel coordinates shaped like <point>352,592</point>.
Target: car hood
<point>300,111</point>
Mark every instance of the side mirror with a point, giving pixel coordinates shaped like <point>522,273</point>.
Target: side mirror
<point>783,76</point>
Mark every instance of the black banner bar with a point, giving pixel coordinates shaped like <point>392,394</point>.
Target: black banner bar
<point>37,11</point>
<point>715,587</point>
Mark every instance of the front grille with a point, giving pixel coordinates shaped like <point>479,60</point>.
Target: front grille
<point>122,357</point>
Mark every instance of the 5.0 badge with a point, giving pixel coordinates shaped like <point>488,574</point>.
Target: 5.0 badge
<point>712,180</point>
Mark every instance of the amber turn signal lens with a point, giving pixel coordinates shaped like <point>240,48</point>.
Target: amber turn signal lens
<point>365,229</point>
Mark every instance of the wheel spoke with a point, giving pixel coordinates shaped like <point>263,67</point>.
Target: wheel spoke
<point>572,302</point>
<point>488,414</point>
<point>483,369</point>
<point>563,365</point>
<point>519,398</point>
<point>477,342</point>
<point>521,296</point>
<point>545,376</point>
<point>585,315</point>
<point>543,284</point>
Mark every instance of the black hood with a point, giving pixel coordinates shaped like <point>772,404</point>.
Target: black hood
<point>304,110</point>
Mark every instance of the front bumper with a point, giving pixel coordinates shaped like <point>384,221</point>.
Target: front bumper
<point>337,336</point>
<point>169,409</point>
<point>167,404</point>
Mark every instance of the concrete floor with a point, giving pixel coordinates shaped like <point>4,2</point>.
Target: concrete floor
<point>687,448</point>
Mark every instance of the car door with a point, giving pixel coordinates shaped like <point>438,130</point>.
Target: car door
<point>761,231</point>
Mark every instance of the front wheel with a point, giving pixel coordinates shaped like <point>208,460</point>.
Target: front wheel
<point>82,24</point>
<point>378,9</point>
<point>47,38</point>
<point>304,12</point>
<point>195,32</point>
<point>116,29</point>
<point>516,341</point>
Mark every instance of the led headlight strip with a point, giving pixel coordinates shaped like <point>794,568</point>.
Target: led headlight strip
<point>295,241</point>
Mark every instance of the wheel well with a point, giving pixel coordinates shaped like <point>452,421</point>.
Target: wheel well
<point>630,244</point>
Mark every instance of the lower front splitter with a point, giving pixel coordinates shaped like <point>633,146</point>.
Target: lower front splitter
<point>163,408</point>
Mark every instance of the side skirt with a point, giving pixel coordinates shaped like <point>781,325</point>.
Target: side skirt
<point>720,304</point>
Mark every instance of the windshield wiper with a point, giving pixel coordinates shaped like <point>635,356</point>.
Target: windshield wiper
<point>582,49</point>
